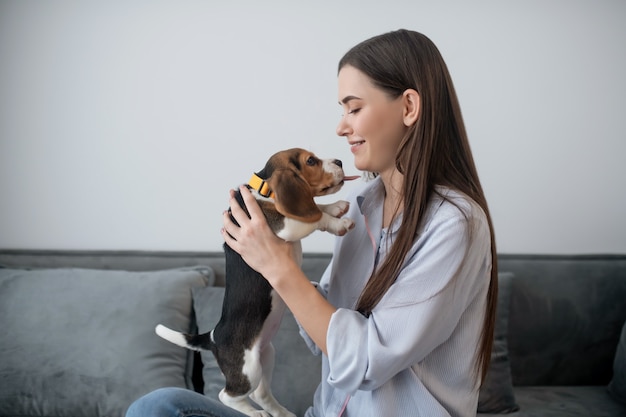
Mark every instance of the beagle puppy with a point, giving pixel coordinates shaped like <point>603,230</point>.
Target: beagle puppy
<point>252,311</point>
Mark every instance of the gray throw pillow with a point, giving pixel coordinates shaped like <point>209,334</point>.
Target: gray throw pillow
<point>617,386</point>
<point>80,342</point>
<point>297,372</point>
<point>496,394</point>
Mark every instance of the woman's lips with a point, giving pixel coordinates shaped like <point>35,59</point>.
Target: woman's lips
<point>354,146</point>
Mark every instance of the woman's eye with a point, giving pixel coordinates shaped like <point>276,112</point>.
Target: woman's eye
<point>354,111</point>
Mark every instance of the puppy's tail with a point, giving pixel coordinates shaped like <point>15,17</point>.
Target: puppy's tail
<point>197,342</point>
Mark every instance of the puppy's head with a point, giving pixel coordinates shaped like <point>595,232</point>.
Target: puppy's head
<point>296,176</point>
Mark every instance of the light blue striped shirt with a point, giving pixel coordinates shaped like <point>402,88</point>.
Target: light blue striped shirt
<point>415,354</point>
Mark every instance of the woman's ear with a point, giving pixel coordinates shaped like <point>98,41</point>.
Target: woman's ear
<point>411,100</point>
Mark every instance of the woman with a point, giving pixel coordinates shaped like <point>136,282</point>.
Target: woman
<point>404,314</point>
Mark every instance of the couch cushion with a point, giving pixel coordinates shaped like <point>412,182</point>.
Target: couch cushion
<point>80,342</point>
<point>565,401</point>
<point>296,371</point>
<point>617,387</point>
<point>496,393</point>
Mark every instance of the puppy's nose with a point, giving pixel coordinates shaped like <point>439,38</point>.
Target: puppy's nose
<point>338,163</point>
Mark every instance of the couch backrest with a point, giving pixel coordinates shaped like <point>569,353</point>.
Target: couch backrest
<point>314,264</point>
<point>565,318</point>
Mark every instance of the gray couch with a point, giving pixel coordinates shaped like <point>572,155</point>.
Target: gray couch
<point>77,333</point>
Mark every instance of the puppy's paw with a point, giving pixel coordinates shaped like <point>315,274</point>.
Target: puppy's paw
<point>336,209</point>
<point>284,414</point>
<point>259,413</point>
<point>344,226</point>
<point>334,225</point>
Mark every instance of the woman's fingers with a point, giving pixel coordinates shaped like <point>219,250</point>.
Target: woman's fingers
<point>229,229</point>
<point>236,210</point>
<point>237,222</point>
<point>251,237</point>
<point>251,204</point>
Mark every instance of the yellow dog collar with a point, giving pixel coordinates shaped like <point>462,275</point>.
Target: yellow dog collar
<point>262,187</point>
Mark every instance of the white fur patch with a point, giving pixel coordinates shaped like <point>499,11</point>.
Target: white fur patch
<point>295,230</point>
<point>173,336</point>
<point>331,167</point>
<point>252,364</point>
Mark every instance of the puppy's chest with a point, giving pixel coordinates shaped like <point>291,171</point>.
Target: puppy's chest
<point>284,227</point>
<point>275,220</point>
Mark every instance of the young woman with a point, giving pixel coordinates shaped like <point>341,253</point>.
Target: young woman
<point>404,314</point>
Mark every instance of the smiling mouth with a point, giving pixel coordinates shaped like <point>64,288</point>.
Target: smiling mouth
<point>355,145</point>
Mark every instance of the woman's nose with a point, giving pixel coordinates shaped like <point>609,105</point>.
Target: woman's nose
<point>342,128</point>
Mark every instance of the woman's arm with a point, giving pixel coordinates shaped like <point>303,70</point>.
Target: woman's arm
<point>431,316</point>
<point>273,258</point>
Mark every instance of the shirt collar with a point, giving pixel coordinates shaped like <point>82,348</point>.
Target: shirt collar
<point>370,201</point>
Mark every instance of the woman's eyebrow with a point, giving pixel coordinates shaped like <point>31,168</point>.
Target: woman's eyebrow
<point>346,99</point>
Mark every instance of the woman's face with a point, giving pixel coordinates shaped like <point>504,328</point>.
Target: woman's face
<point>371,121</point>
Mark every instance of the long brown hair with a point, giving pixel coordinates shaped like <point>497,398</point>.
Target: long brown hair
<point>435,151</point>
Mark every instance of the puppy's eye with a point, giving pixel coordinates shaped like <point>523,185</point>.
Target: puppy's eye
<point>311,161</point>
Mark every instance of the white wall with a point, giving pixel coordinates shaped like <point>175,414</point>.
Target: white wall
<point>124,124</point>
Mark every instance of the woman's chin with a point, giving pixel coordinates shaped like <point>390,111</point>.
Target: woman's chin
<point>360,164</point>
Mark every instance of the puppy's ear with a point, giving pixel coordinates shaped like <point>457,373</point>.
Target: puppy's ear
<point>293,196</point>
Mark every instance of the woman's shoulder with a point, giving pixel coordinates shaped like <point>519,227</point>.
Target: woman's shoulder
<point>449,204</point>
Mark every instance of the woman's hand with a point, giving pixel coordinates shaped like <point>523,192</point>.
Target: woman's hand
<point>253,239</point>
<point>273,258</point>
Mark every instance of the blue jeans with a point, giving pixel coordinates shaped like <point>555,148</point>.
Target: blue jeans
<point>179,402</point>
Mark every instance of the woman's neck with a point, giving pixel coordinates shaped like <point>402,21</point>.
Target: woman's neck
<point>393,203</point>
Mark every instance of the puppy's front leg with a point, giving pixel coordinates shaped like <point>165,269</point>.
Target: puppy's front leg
<point>242,405</point>
<point>331,220</point>
<point>336,209</point>
<point>338,227</point>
